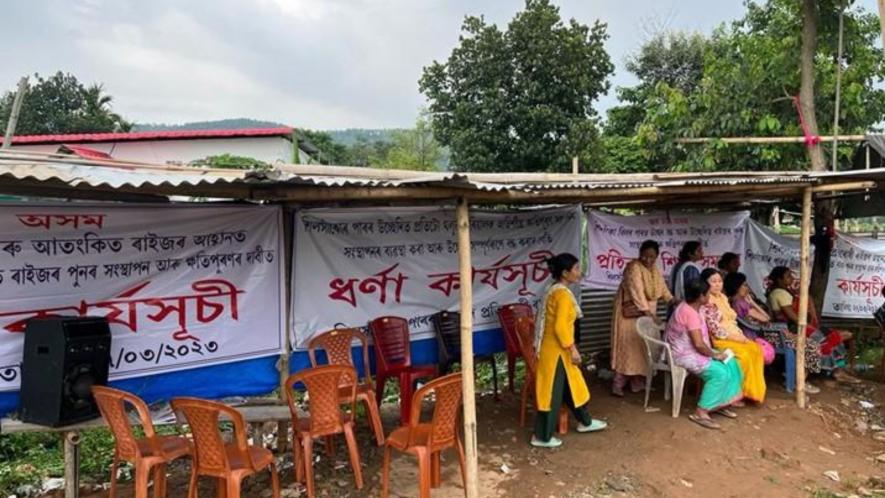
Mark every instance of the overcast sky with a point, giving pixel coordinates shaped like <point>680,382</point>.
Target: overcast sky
<point>308,63</point>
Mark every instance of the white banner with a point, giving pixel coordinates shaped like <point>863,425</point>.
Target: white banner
<point>614,240</point>
<point>182,287</point>
<point>353,265</point>
<point>765,250</point>
<point>856,278</point>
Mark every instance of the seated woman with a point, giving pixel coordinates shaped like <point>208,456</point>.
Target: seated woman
<point>688,337</point>
<point>721,321</point>
<point>784,304</point>
<point>757,324</point>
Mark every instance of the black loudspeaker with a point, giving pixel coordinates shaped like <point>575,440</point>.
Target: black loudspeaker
<point>64,357</point>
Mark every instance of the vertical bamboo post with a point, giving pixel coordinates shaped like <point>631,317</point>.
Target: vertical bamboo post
<point>882,19</point>
<point>466,282</point>
<point>288,258</point>
<point>804,280</point>
<point>13,114</point>
<point>575,165</point>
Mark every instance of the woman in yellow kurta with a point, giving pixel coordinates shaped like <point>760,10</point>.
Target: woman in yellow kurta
<point>721,320</point>
<point>559,377</point>
<point>642,286</point>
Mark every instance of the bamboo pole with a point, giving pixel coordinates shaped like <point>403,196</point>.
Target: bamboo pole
<point>466,281</point>
<point>288,264</point>
<point>13,114</point>
<point>838,85</point>
<point>882,20</point>
<point>841,187</point>
<point>769,140</point>
<point>804,280</point>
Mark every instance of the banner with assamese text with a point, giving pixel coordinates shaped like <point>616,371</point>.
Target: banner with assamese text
<point>353,265</point>
<point>182,287</point>
<point>614,240</point>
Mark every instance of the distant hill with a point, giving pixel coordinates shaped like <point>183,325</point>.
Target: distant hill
<point>348,136</point>
<point>221,124</point>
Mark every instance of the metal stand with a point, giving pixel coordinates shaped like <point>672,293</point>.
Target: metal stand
<point>72,464</point>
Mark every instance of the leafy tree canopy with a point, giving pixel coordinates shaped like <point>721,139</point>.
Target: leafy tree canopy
<point>415,148</point>
<point>750,72</point>
<point>61,104</point>
<point>229,161</point>
<point>519,99</point>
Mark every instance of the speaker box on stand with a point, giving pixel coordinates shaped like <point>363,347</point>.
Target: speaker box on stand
<point>63,358</point>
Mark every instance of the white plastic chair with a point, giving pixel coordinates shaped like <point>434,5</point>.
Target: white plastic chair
<point>660,359</point>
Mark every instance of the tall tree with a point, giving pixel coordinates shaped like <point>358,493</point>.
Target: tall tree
<point>415,148</point>
<point>522,98</point>
<point>331,152</point>
<point>61,104</point>
<point>675,58</point>
<point>823,220</point>
<point>752,69</point>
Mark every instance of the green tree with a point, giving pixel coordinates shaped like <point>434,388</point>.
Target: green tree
<point>61,104</point>
<point>519,99</point>
<point>751,72</point>
<point>331,152</point>
<point>675,58</point>
<point>415,148</point>
<point>228,161</point>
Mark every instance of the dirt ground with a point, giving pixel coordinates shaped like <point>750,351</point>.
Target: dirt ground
<point>775,450</point>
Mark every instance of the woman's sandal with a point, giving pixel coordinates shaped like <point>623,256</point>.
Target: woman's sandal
<point>707,423</point>
<point>727,412</point>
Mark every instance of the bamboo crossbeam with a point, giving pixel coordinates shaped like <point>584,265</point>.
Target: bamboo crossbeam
<point>769,140</point>
<point>842,187</point>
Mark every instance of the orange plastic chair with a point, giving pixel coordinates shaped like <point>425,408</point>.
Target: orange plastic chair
<point>393,360</point>
<point>525,336</point>
<point>229,462</point>
<point>337,343</point>
<point>427,440</point>
<point>508,314</point>
<point>324,419</point>
<point>151,451</point>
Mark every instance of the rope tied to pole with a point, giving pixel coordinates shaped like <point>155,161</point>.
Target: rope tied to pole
<point>810,140</point>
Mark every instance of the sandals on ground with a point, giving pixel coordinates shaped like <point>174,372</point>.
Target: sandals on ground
<point>727,412</point>
<point>706,423</point>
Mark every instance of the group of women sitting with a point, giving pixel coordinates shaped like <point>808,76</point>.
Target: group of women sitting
<point>716,328</point>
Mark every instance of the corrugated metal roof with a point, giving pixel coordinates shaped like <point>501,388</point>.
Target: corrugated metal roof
<point>283,131</point>
<point>59,171</point>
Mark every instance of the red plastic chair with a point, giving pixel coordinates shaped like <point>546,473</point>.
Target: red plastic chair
<point>427,440</point>
<point>525,335</point>
<point>393,359</point>
<point>507,316</point>
<point>230,463</point>
<point>325,417</point>
<point>337,344</point>
<point>152,451</point>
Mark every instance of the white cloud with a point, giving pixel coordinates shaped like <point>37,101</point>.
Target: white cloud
<point>314,63</point>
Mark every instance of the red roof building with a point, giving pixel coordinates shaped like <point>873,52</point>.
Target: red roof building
<point>270,145</point>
